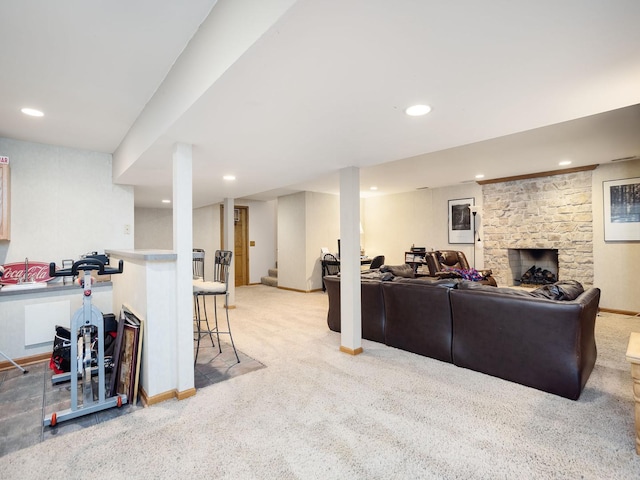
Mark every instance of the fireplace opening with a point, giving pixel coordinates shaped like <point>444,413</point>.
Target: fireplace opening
<point>533,266</point>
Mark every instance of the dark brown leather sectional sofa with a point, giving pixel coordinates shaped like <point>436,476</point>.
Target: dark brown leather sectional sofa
<point>515,335</point>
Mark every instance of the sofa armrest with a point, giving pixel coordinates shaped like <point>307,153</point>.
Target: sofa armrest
<point>372,307</point>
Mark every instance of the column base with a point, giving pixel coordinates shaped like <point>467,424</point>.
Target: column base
<point>350,351</point>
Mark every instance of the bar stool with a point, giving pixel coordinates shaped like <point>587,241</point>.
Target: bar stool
<point>198,275</point>
<point>218,287</point>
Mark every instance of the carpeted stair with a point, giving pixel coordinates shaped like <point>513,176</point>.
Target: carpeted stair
<point>272,279</point>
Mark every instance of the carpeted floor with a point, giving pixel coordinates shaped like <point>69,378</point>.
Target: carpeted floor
<point>317,413</point>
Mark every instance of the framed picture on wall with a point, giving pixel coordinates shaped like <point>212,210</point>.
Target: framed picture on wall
<point>622,210</point>
<point>460,220</point>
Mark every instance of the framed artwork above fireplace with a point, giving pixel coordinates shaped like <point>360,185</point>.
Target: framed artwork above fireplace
<point>622,210</point>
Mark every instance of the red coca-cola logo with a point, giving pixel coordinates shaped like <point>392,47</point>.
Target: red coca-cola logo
<point>14,273</point>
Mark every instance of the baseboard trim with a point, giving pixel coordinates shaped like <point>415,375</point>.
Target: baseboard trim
<point>190,392</point>
<point>164,396</point>
<point>298,290</point>
<point>24,361</point>
<point>621,312</point>
<point>350,351</point>
<point>291,289</point>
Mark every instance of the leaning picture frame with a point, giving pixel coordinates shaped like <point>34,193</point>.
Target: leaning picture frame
<point>460,221</point>
<point>621,210</point>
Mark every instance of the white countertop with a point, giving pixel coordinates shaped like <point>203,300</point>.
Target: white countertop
<point>49,288</point>
<point>149,255</point>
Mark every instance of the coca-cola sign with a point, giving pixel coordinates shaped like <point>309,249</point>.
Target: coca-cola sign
<point>14,273</point>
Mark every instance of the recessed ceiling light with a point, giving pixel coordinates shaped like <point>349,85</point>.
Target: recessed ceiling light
<point>32,112</point>
<point>373,187</point>
<point>480,175</point>
<point>166,201</point>
<point>418,110</point>
<point>564,163</point>
<point>229,177</point>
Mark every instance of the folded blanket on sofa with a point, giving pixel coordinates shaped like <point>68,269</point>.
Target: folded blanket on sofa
<point>399,270</point>
<point>471,274</point>
<point>566,290</point>
<point>561,290</point>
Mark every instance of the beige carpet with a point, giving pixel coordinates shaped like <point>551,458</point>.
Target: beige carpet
<point>316,413</point>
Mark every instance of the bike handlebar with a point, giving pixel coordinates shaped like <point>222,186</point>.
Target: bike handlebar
<point>83,265</point>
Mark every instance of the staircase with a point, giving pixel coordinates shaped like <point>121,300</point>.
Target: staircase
<point>272,279</point>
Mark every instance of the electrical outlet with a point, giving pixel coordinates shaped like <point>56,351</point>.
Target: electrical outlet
<point>127,229</point>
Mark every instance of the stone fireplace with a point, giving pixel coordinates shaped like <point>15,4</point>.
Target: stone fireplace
<point>552,213</point>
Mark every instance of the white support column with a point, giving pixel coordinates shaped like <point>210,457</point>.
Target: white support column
<point>229,244</point>
<point>350,307</point>
<point>183,245</point>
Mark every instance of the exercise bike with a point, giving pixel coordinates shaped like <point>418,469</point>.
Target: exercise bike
<point>86,321</point>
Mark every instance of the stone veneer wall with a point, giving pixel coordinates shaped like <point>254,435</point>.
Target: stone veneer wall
<point>547,212</point>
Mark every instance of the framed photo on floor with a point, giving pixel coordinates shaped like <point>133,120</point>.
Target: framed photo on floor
<point>460,221</point>
<point>622,210</point>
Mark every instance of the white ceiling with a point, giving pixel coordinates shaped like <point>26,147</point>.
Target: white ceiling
<point>284,93</point>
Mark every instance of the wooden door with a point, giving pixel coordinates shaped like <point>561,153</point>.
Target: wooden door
<point>241,242</point>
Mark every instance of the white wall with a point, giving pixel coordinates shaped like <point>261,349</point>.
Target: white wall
<point>615,263</point>
<point>307,221</point>
<point>393,223</point>
<point>291,241</point>
<point>18,320</point>
<point>322,230</point>
<point>262,231</point>
<point>154,229</point>
<point>63,203</point>
<point>206,234</point>
<point>439,225</point>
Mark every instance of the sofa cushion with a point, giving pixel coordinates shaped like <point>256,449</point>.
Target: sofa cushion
<point>418,317</point>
